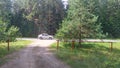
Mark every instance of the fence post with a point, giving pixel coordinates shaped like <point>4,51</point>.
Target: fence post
<point>8,44</point>
<point>73,44</point>
<point>57,44</point>
<point>111,46</point>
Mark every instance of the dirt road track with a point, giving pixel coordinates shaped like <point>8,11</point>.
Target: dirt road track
<point>36,55</point>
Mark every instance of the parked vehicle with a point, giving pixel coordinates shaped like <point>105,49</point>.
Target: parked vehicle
<point>45,36</point>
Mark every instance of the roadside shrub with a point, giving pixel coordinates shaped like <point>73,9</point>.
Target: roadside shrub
<point>7,33</point>
<point>12,33</point>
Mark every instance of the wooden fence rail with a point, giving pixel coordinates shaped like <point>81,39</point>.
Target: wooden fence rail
<point>94,41</point>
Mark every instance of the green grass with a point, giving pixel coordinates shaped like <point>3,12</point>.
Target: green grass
<point>14,46</point>
<point>91,55</point>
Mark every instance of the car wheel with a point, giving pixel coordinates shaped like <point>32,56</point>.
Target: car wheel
<point>40,38</point>
<point>50,38</point>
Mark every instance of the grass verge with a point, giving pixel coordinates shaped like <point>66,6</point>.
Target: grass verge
<point>14,46</point>
<point>91,55</point>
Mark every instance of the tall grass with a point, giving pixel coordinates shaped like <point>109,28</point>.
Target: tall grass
<point>91,55</point>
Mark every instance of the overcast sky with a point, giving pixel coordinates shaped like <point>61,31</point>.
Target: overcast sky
<point>65,2</point>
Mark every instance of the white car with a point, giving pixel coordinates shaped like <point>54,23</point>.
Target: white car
<point>45,36</point>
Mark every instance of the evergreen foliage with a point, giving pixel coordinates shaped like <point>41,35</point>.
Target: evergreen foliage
<point>42,16</point>
<point>7,33</point>
<point>80,22</point>
<point>83,19</point>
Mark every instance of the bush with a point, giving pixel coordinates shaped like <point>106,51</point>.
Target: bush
<point>12,33</point>
<point>7,33</point>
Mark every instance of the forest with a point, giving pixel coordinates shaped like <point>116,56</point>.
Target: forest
<point>81,18</point>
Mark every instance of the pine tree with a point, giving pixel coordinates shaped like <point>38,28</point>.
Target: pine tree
<point>80,22</point>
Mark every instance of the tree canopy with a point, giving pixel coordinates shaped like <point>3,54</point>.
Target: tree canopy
<point>81,19</point>
<point>98,18</point>
<point>41,15</point>
<point>80,22</point>
<point>6,32</point>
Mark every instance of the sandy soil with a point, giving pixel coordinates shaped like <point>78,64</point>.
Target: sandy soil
<point>36,55</point>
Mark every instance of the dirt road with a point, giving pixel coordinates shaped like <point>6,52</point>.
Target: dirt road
<point>36,55</point>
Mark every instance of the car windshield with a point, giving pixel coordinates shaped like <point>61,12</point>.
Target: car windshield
<point>45,34</point>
